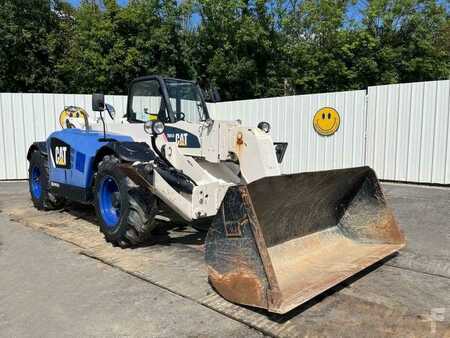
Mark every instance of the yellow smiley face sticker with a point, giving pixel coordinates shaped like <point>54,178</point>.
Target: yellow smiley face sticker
<point>326,121</point>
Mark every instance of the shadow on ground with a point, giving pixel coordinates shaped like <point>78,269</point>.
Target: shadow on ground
<point>282,318</point>
<point>166,233</point>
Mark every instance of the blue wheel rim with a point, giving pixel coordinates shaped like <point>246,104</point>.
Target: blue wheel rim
<point>36,188</point>
<point>109,202</point>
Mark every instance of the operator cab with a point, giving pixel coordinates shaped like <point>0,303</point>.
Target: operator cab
<point>165,99</point>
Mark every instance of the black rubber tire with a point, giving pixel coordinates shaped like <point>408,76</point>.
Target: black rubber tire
<point>47,200</point>
<point>138,207</point>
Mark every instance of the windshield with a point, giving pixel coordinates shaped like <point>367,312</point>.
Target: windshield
<point>147,102</point>
<point>186,101</point>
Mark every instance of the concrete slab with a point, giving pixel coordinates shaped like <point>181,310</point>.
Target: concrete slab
<point>424,214</point>
<point>47,289</point>
<point>397,298</point>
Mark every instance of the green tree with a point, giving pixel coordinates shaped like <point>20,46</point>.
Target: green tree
<point>396,41</point>
<point>248,48</point>
<point>237,47</point>
<point>32,43</point>
<point>410,40</point>
<point>316,45</point>
<point>112,45</point>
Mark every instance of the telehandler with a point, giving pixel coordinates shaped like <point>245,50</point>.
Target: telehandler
<point>275,241</point>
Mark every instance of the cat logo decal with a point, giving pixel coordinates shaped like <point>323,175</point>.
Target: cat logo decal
<point>60,153</point>
<point>181,139</point>
<point>61,156</point>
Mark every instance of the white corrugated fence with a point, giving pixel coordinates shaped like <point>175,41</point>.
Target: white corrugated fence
<point>402,130</point>
<point>291,120</point>
<point>26,118</point>
<point>408,127</point>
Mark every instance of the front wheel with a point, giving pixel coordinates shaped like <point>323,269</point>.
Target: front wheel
<point>38,180</point>
<point>126,212</point>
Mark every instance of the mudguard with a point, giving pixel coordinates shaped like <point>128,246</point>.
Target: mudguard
<point>37,146</point>
<point>72,153</point>
<point>127,151</point>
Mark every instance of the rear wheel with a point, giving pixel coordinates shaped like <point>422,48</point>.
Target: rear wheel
<point>38,180</point>
<point>126,212</point>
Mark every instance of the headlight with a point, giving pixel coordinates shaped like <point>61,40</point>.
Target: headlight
<point>154,127</point>
<point>264,126</point>
<point>148,127</point>
<point>158,127</point>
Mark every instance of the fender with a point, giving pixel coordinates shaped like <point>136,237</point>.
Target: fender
<point>126,152</point>
<point>37,146</point>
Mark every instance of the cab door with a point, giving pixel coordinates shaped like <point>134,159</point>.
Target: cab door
<point>189,115</point>
<point>186,135</point>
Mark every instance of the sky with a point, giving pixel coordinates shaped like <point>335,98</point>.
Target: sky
<point>353,11</point>
<point>77,2</point>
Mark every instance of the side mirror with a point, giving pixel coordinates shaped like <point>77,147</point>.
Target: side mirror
<point>211,94</point>
<point>111,111</point>
<point>98,102</point>
<point>215,95</point>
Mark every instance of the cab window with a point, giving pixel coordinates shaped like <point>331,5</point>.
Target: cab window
<point>147,101</point>
<point>185,101</point>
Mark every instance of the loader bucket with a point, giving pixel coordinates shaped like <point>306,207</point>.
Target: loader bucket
<point>279,241</point>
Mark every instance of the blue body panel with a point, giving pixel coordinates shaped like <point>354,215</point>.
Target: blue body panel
<point>80,148</point>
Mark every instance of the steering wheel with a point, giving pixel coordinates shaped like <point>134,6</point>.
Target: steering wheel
<point>180,116</point>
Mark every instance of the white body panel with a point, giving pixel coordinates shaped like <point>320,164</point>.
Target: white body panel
<point>228,154</point>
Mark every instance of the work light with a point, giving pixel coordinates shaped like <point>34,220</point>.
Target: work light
<point>158,127</point>
<point>154,127</point>
<point>264,126</point>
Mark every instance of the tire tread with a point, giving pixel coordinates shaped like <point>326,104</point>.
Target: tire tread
<point>49,201</point>
<point>142,210</point>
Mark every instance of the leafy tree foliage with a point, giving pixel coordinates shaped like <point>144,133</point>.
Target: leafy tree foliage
<point>237,46</point>
<point>31,43</point>
<point>396,41</point>
<point>247,48</point>
<point>112,45</point>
